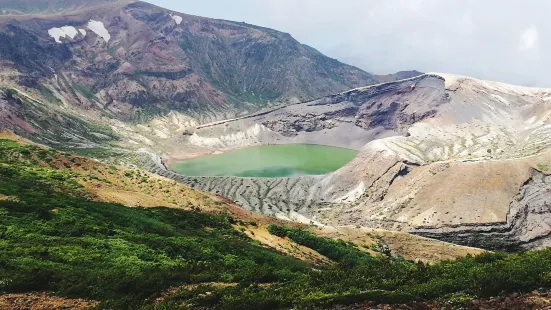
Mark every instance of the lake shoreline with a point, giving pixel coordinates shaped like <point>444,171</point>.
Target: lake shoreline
<point>275,160</point>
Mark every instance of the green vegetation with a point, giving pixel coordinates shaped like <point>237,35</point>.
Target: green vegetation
<point>542,167</point>
<point>48,95</point>
<point>84,90</point>
<point>10,92</point>
<point>99,153</point>
<point>53,238</point>
<point>337,250</point>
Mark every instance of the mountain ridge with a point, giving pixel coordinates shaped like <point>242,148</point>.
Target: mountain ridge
<point>400,75</point>
<point>50,7</point>
<point>209,69</point>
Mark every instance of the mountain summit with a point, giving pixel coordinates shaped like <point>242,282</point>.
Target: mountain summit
<point>134,60</point>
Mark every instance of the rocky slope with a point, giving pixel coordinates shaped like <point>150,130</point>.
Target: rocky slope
<point>130,60</point>
<point>400,75</point>
<point>440,155</point>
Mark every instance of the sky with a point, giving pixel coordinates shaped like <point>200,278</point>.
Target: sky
<point>500,40</point>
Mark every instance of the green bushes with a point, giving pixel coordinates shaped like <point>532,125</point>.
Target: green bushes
<point>277,230</point>
<point>336,250</point>
<point>54,239</point>
<point>391,281</point>
<point>488,274</point>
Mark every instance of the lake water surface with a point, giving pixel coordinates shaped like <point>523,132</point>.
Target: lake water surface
<point>268,161</point>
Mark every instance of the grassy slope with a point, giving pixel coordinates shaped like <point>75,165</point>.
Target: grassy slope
<point>54,239</point>
<point>56,236</point>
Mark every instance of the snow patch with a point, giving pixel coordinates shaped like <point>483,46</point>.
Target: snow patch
<point>98,28</point>
<point>177,19</point>
<point>65,31</point>
<point>82,31</point>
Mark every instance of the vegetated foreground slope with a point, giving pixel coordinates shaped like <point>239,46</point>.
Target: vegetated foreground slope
<point>56,238</point>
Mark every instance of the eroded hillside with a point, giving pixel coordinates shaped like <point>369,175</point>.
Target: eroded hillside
<point>440,155</point>
<point>133,61</point>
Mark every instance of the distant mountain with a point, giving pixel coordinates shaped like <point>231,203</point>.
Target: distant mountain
<point>45,7</point>
<point>400,75</point>
<point>136,61</point>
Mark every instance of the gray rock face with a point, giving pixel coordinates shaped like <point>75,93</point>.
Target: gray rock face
<point>264,195</point>
<point>388,105</point>
<point>528,222</point>
<point>349,119</point>
<point>439,155</point>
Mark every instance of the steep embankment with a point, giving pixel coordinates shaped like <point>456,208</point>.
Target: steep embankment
<point>439,155</point>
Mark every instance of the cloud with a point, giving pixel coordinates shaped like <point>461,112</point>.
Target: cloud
<point>529,38</point>
<point>491,39</point>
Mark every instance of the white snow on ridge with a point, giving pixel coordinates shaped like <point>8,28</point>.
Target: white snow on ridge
<point>70,31</point>
<point>56,33</point>
<point>177,19</point>
<point>82,31</point>
<point>65,31</point>
<point>98,28</point>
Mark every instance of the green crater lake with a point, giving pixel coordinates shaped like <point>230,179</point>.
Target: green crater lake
<point>268,161</point>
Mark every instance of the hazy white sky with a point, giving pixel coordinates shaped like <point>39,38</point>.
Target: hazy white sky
<point>503,40</point>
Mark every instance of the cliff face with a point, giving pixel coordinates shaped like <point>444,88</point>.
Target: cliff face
<point>135,61</point>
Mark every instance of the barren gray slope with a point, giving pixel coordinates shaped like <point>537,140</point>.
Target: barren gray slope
<point>440,151</point>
